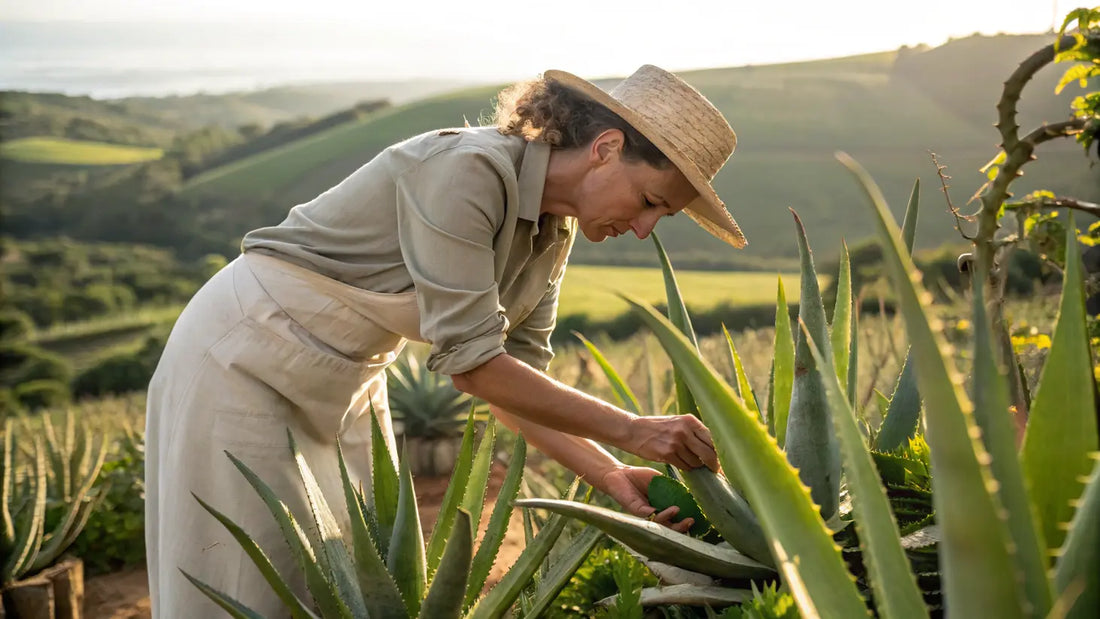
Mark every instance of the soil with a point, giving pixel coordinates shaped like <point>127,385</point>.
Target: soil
<point>125,594</point>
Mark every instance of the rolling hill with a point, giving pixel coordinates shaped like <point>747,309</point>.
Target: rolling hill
<point>889,110</point>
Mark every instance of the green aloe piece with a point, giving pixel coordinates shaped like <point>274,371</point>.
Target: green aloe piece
<point>903,413</point>
<point>231,606</point>
<point>566,565</point>
<point>729,514</point>
<point>498,521</point>
<point>331,553</point>
<point>444,599</point>
<point>497,602</point>
<point>677,315</point>
<point>382,597</point>
<point>979,578</point>
<point>1078,568</point>
<point>1061,430</point>
<point>623,395</point>
<point>7,482</point>
<point>297,607</point>
<point>69,525</point>
<point>811,443</point>
<point>406,557</point>
<point>802,546</point>
<point>998,433</point>
<point>384,484</point>
<point>909,224</point>
<point>323,592</point>
<point>741,386</point>
<point>665,492</point>
<point>460,477</point>
<point>783,362</point>
<point>657,542</point>
<point>473,501</point>
<point>841,329</point>
<point>895,589</point>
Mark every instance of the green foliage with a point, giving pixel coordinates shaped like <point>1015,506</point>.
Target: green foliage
<point>1085,50</point>
<point>73,152</point>
<point>664,492</point>
<point>114,536</point>
<point>121,373</point>
<point>595,580</point>
<point>38,394</point>
<point>768,602</point>
<point>15,326</point>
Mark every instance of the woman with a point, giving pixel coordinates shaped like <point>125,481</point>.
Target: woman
<point>458,238</point>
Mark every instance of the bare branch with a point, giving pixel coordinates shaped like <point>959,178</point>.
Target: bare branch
<point>959,217</point>
<point>1056,203</point>
<point>1014,85</point>
<point>1056,130</point>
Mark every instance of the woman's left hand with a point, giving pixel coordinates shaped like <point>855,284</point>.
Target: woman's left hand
<point>629,486</point>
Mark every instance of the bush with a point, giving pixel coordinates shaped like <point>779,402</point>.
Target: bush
<point>114,537</point>
<point>38,394</point>
<point>119,374</point>
<point>21,363</point>
<point>15,326</point>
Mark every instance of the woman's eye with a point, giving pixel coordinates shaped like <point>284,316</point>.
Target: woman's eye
<point>648,204</point>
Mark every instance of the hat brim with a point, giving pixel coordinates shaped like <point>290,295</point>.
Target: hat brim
<point>707,209</point>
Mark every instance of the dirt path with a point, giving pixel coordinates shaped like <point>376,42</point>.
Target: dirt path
<point>125,595</point>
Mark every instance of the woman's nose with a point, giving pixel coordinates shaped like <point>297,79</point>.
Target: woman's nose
<point>644,224</point>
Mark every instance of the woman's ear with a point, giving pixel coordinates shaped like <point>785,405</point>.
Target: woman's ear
<point>607,146</point>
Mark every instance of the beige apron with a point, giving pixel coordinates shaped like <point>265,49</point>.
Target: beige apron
<point>243,364</point>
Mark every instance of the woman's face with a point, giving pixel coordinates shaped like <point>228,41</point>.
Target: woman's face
<point>612,196</point>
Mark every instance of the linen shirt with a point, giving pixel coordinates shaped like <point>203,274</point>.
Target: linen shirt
<point>454,216</point>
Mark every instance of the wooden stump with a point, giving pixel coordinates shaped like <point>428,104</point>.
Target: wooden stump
<point>54,593</point>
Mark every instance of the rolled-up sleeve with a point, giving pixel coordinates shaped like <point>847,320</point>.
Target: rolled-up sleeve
<point>529,341</point>
<point>449,208</point>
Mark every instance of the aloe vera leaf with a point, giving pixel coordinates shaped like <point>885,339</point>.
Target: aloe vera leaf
<point>473,501</point>
<point>297,608</point>
<point>665,491</point>
<point>623,395</point>
<point>384,484</point>
<point>1061,430</point>
<point>498,521</point>
<point>895,589</point>
<point>691,595</point>
<point>7,482</point>
<point>979,579</point>
<point>331,553</point>
<point>909,224</point>
<point>998,433</point>
<point>231,606</point>
<point>460,477</point>
<point>567,564</point>
<point>495,603</point>
<point>782,503</point>
<point>380,592</point>
<point>1079,564</point>
<point>677,315</point>
<point>29,523</point>
<point>853,361</point>
<point>811,443</point>
<point>323,592</point>
<point>69,525</point>
<point>742,387</point>
<point>784,366</point>
<point>729,514</point>
<point>445,595</point>
<point>405,560</point>
<point>841,329</point>
<point>658,542</point>
<point>903,413</point>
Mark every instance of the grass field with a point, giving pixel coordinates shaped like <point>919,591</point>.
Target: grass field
<point>591,289</point>
<point>60,151</point>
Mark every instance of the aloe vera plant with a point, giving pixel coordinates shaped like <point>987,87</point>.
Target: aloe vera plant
<point>381,567</point>
<point>46,498</point>
<point>974,547</point>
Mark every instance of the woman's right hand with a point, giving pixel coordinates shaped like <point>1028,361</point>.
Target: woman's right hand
<point>680,440</point>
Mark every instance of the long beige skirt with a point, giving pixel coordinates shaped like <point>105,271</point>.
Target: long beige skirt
<point>264,346</point>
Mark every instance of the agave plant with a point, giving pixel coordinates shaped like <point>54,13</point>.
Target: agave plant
<point>382,567</point>
<point>426,403</point>
<point>45,498</point>
<point>993,550</point>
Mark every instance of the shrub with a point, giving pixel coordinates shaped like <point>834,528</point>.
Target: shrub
<point>122,373</point>
<point>38,394</point>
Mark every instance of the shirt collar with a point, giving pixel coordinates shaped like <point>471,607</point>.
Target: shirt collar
<point>532,179</point>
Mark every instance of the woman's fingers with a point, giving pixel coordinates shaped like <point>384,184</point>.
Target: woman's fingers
<point>664,518</point>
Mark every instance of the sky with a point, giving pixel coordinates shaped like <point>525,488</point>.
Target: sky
<point>503,41</point>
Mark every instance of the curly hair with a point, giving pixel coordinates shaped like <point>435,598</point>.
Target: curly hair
<point>544,110</point>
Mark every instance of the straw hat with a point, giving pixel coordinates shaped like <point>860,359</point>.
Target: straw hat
<point>680,122</point>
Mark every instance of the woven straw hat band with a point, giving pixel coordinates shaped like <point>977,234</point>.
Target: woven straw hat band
<point>682,114</point>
